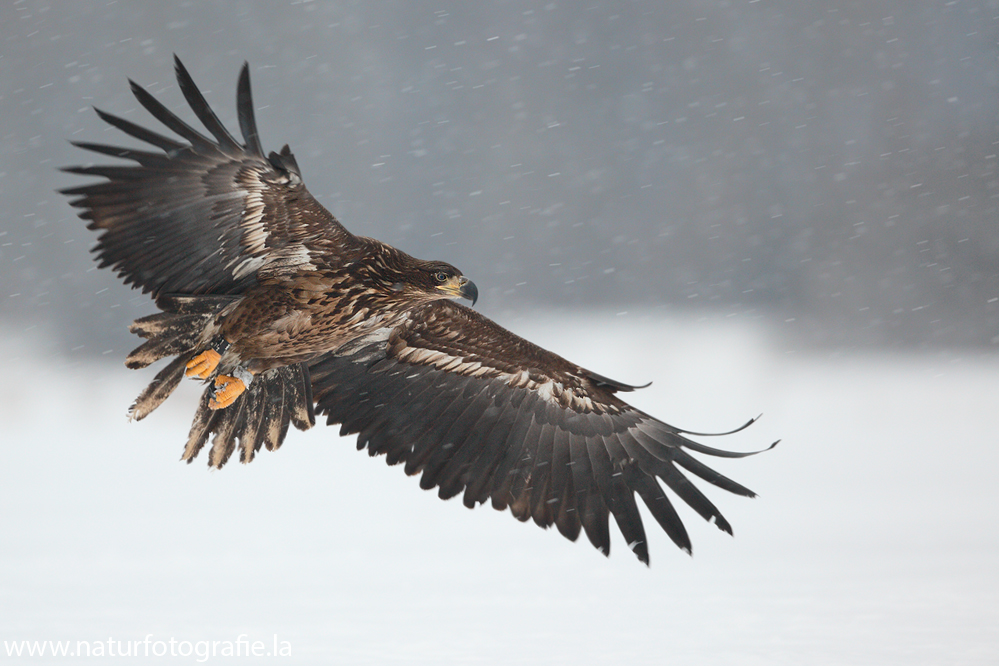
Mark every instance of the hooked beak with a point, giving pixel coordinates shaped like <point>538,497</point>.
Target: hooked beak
<point>461,287</point>
<point>468,290</point>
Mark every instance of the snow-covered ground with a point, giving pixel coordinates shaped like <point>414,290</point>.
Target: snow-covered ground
<point>874,539</point>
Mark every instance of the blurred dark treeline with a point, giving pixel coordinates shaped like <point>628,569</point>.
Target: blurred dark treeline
<point>834,162</point>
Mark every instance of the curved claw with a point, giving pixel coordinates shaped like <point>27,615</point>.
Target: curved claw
<point>227,389</point>
<point>204,364</point>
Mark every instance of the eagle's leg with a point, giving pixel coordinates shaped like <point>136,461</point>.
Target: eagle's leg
<point>204,364</point>
<point>228,388</point>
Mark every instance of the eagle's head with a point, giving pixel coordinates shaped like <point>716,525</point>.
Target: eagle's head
<point>436,280</point>
<point>414,279</point>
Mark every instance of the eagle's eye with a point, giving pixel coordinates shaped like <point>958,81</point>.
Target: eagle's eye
<point>440,276</point>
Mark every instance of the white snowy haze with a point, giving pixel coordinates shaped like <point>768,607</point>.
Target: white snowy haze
<point>758,205</point>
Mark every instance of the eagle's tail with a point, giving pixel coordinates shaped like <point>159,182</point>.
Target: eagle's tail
<point>275,398</point>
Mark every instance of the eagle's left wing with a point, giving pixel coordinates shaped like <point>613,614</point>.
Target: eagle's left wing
<point>203,215</point>
<point>477,410</point>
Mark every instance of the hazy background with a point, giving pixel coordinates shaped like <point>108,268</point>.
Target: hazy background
<point>762,205</point>
<point>833,162</point>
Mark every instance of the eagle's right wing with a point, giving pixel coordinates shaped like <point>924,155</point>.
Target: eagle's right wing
<point>201,217</point>
<point>479,411</point>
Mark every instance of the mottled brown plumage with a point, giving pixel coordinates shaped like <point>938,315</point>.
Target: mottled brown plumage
<point>263,293</point>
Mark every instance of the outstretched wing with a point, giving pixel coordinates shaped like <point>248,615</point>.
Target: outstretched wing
<point>479,411</point>
<point>201,217</point>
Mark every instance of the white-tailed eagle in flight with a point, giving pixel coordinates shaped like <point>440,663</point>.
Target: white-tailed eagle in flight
<point>287,315</point>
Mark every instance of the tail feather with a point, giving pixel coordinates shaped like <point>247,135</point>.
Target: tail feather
<point>160,388</point>
<point>224,441</point>
<point>298,397</point>
<point>252,436</point>
<point>183,326</point>
<point>260,418</point>
<point>167,334</point>
<point>201,428</point>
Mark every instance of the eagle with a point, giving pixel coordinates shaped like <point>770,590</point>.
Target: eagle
<point>286,315</point>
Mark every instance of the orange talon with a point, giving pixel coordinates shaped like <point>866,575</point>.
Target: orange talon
<point>227,389</point>
<point>203,364</point>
